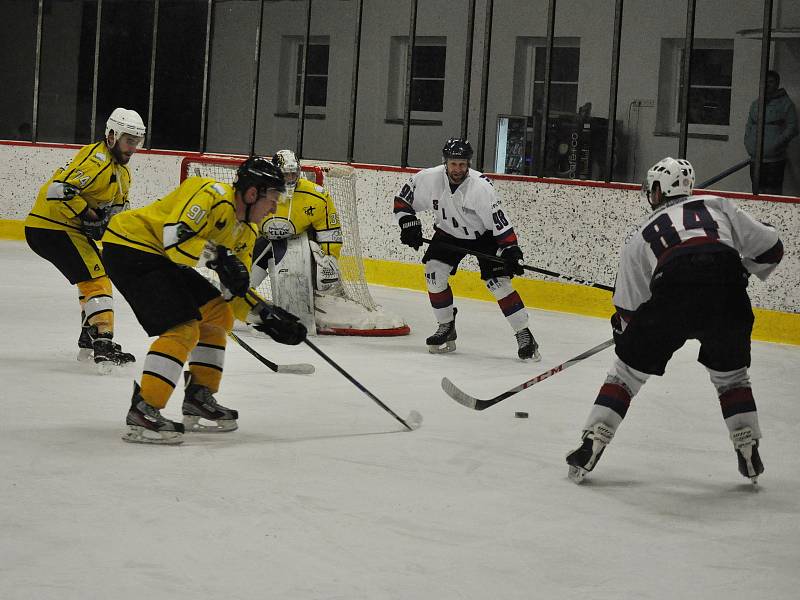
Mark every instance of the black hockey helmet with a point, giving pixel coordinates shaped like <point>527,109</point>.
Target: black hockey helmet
<point>457,149</point>
<point>261,173</point>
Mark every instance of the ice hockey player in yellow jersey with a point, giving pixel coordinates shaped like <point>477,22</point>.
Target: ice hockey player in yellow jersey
<point>70,214</point>
<point>149,254</point>
<point>306,207</point>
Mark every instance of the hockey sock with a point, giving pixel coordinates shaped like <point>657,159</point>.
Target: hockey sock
<point>739,410</point>
<point>440,294</point>
<point>208,357</point>
<point>610,406</point>
<point>736,399</point>
<point>614,398</point>
<point>164,363</point>
<point>98,305</point>
<point>509,301</point>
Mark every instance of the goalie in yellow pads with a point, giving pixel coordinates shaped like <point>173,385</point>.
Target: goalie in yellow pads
<point>149,254</point>
<point>307,207</point>
<point>71,213</point>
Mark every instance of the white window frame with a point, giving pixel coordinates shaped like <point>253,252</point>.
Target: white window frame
<point>525,71</point>
<point>290,67</point>
<point>669,78</point>
<point>398,54</point>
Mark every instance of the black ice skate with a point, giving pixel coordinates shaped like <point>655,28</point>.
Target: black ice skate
<point>107,354</point>
<point>85,349</point>
<point>584,458</point>
<point>444,340</point>
<point>146,425</point>
<point>746,447</point>
<point>199,403</point>
<point>528,348</point>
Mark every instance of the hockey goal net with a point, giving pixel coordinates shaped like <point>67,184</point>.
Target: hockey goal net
<point>359,315</point>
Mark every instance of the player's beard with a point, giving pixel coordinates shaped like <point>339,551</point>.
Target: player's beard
<point>458,179</point>
<point>119,157</point>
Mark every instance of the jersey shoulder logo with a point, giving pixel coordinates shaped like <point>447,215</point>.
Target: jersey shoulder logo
<point>309,210</point>
<point>100,156</point>
<point>218,189</point>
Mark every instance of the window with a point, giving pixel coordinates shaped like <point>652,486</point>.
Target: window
<point>529,75</point>
<point>316,74</point>
<point>427,76</point>
<point>710,85</point>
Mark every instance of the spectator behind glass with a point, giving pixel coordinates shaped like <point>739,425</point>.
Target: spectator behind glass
<point>780,126</point>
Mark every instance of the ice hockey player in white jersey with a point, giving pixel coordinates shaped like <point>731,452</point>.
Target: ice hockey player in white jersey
<point>683,275</point>
<point>468,217</point>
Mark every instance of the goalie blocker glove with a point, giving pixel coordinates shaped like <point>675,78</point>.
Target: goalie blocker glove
<point>281,325</point>
<point>411,231</point>
<point>231,272</point>
<point>512,256</point>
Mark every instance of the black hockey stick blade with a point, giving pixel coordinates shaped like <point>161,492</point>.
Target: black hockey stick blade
<point>462,397</point>
<point>296,369</point>
<point>414,419</point>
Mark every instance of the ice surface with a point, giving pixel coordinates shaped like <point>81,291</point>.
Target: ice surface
<point>321,494</point>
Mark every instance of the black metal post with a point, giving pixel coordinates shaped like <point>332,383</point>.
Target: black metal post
<point>766,38</point>
<point>351,141</point>
<point>487,46</point>
<point>301,116</point>
<point>613,90</point>
<point>548,59</point>
<point>467,70</point>
<point>257,66</point>
<point>412,37</point>
<point>686,79</point>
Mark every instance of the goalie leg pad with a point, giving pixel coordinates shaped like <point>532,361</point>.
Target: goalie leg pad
<point>290,279</point>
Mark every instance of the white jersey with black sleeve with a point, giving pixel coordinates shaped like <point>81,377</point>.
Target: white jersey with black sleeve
<point>692,224</point>
<point>469,212</point>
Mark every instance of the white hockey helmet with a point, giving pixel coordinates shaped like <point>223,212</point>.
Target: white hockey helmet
<point>123,120</point>
<point>287,162</point>
<point>675,177</point>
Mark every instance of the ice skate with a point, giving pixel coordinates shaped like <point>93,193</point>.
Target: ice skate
<point>200,404</point>
<point>85,350</point>
<point>584,458</point>
<point>746,447</point>
<point>444,340</point>
<point>146,425</point>
<point>107,354</point>
<point>528,348</point>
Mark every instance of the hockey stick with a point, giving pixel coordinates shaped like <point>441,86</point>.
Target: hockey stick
<point>471,402</point>
<point>298,369</point>
<point>411,422</point>
<point>497,259</point>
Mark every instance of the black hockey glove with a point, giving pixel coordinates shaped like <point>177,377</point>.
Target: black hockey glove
<point>281,325</point>
<point>231,272</point>
<point>411,231</point>
<point>512,256</point>
<point>94,228</point>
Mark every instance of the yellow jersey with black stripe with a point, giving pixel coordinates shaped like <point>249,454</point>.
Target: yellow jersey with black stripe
<point>310,208</point>
<point>179,225</point>
<point>92,179</point>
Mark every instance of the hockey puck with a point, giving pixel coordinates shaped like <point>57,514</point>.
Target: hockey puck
<point>521,415</point>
